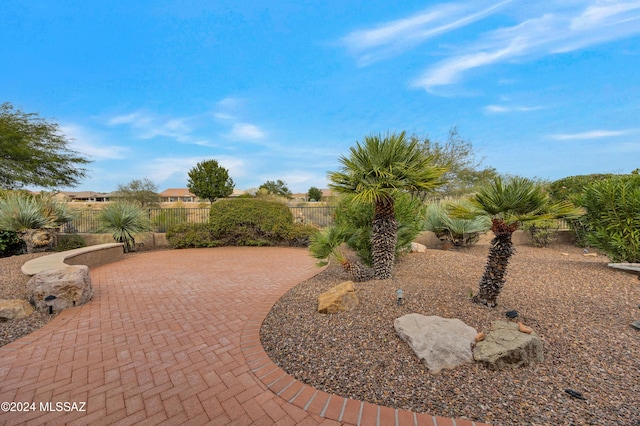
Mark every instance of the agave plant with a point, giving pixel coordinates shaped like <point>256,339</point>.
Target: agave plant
<point>124,220</point>
<point>33,217</point>
<point>460,232</point>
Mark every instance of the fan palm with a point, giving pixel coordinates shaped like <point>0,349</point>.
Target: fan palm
<point>508,203</point>
<point>375,172</point>
<point>124,220</point>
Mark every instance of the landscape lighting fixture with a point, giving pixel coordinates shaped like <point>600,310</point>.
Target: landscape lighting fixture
<point>49,300</point>
<point>400,297</point>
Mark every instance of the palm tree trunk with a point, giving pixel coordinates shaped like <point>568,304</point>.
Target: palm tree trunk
<point>384,236</point>
<point>495,270</point>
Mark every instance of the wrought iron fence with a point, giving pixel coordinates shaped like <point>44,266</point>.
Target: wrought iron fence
<point>163,219</point>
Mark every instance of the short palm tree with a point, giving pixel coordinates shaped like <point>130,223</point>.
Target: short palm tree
<point>375,172</point>
<point>508,203</point>
<point>33,217</point>
<point>124,220</point>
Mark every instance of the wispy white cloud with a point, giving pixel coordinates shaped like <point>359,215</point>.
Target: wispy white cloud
<point>395,37</point>
<point>91,143</point>
<point>593,134</point>
<point>164,168</point>
<point>588,23</point>
<point>149,125</point>
<point>507,108</point>
<point>246,131</point>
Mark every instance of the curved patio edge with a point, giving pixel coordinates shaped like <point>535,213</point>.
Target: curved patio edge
<point>320,403</point>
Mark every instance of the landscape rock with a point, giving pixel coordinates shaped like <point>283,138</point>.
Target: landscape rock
<point>507,347</point>
<point>11,309</point>
<point>438,342</point>
<point>64,287</point>
<point>340,298</point>
<point>636,324</point>
<point>418,248</point>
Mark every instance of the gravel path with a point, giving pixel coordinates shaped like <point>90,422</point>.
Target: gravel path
<point>580,308</point>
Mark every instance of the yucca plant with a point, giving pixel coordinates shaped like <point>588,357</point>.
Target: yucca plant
<point>508,203</point>
<point>460,232</point>
<point>124,220</point>
<point>33,217</point>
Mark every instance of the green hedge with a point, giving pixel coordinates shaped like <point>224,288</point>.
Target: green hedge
<point>243,222</point>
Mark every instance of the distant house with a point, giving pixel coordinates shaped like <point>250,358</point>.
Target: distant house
<point>173,195</point>
<point>83,196</point>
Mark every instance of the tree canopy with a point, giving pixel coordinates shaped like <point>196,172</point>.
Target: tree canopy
<point>34,152</point>
<point>464,172</point>
<point>278,187</point>
<point>141,191</point>
<point>314,194</point>
<point>210,181</point>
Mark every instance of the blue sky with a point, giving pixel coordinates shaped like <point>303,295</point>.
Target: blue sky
<point>280,89</point>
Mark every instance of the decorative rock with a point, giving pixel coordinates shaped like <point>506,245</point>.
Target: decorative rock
<point>480,336</point>
<point>70,285</point>
<point>438,342</point>
<point>506,347</point>
<point>636,324</point>
<point>418,248</point>
<point>511,314</point>
<point>11,309</point>
<point>340,298</point>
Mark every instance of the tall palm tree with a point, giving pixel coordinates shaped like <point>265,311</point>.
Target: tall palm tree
<point>508,203</point>
<point>375,172</point>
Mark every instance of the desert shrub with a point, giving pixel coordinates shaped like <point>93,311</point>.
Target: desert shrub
<point>457,231</point>
<point>612,217</point>
<point>70,242</point>
<point>299,235</point>
<point>353,222</point>
<point>191,235</point>
<point>543,232</point>
<point>572,188</point>
<point>252,222</point>
<point>11,244</point>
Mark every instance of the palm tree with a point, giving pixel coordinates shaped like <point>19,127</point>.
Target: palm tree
<point>375,172</point>
<point>508,203</point>
<point>33,217</point>
<point>124,220</point>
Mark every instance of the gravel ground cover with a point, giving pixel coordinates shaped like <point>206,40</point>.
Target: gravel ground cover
<point>580,308</point>
<point>13,285</point>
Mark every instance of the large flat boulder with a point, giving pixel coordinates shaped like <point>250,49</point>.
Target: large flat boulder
<point>340,298</point>
<point>438,342</point>
<point>506,346</point>
<point>11,309</point>
<point>60,288</point>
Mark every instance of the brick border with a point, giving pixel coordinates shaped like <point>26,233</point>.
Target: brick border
<point>320,403</point>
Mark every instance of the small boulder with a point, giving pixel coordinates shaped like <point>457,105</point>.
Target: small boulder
<point>11,309</point>
<point>507,347</point>
<point>438,342</point>
<point>418,248</point>
<point>340,298</point>
<point>70,286</point>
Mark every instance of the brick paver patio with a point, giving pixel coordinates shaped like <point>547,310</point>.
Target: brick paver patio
<point>172,337</point>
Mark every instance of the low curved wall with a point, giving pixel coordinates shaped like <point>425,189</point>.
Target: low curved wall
<point>90,256</point>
